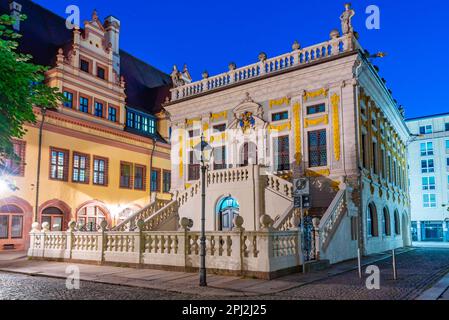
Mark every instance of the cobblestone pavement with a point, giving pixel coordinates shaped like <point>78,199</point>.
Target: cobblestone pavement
<point>417,270</point>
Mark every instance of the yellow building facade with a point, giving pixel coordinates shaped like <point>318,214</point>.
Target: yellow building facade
<point>102,153</point>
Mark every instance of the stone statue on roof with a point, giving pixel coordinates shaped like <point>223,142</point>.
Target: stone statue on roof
<point>346,16</point>
<point>176,77</point>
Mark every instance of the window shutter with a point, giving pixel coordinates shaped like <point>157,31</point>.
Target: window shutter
<point>66,166</point>
<point>144,177</point>
<point>106,171</point>
<point>87,168</point>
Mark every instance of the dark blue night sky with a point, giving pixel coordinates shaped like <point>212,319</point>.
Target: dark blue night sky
<point>207,35</point>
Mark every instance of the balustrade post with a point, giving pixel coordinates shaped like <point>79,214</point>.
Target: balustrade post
<point>102,241</point>
<point>33,232</point>
<point>139,240</point>
<point>184,225</point>
<point>316,234</point>
<point>69,241</point>
<point>45,229</point>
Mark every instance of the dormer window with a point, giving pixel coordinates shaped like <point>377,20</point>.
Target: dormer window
<point>140,122</point>
<point>84,65</point>
<point>101,73</point>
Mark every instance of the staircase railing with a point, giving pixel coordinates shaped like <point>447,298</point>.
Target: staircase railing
<point>280,186</point>
<point>183,196</point>
<point>331,219</point>
<point>161,216</point>
<point>287,220</point>
<point>130,222</point>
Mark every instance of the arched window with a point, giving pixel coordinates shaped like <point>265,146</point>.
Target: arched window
<point>89,218</point>
<point>227,209</point>
<point>397,223</point>
<point>11,222</point>
<point>386,222</point>
<point>54,217</point>
<point>371,223</point>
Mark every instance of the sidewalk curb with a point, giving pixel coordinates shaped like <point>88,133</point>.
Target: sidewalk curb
<point>436,291</point>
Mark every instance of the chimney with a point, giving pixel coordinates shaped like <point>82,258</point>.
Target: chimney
<point>112,27</point>
<point>16,10</point>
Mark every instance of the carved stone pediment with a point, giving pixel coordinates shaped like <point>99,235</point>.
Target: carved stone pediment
<point>248,111</point>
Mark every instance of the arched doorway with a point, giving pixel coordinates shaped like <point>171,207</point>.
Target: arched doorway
<point>227,209</point>
<point>248,154</point>
<point>89,217</point>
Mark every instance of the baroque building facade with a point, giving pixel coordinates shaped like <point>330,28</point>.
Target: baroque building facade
<point>321,112</point>
<point>102,154</point>
<point>428,158</point>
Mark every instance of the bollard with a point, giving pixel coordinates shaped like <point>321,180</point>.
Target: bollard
<point>395,275</point>
<point>359,263</point>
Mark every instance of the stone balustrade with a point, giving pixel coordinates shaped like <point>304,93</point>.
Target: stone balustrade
<point>280,186</point>
<point>233,175</point>
<point>264,254</point>
<point>335,46</point>
<point>144,213</point>
<point>330,221</point>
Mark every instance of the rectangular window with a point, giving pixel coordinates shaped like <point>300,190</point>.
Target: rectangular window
<point>98,109</point>
<point>428,183</point>
<point>317,148</point>
<point>447,146</point>
<point>219,158</point>
<point>425,129</point>
<point>80,171</point>
<point>194,167</point>
<point>279,116</point>
<point>16,165</point>
<point>84,65</point>
<point>220,128</point>
<point>194,133</point>
<point>137,121</point>
<point>447,164</point>
<point>145,124</point>
<point>384,164</point>
<point>430,200</point>
<point>125,175</point>
<point>130,119</point>
<point>59,162</point>
<point>100,73</point>
<point>316,108</point>
<point>427,166</point>
<point>112,114</point>
<point>166,181</point>
<point>17,227</point>
<point>100,171</point>
<point>375,159</point>
<point>151,126</point>
<point>155,180</point>
<point>69,99</point>
<point>282,153</point>
<point>4,227</point>
<point>139,177</point>
<point>426,149</point>
<point>84,104</point>
<point>364,155</point>
<point>446,126</point>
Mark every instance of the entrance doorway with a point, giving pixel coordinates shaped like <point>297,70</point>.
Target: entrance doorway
<point>227,209</point>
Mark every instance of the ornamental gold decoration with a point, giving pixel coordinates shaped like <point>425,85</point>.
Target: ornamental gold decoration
<point>335,102</point>
<point>219,115</point>
<point>190,122</point>
<point>314,94</point>
<point>279,127</point>
<point>279,102</point>
<point>318,173</point>
<point>316,121</point>
<point>296,114</point>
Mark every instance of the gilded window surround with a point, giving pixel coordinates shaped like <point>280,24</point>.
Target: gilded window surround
<point>314,94</point>
<point>310,122</point>
<point>279,102</point>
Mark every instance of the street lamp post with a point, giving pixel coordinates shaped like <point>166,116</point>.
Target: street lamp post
<point>203,151</point>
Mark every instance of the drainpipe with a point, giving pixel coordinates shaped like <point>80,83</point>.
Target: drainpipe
<point>151,161</point>
<point>39,156</point>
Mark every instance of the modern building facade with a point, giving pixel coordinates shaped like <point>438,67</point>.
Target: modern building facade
<point>102,154</point>
<point>428,156</point>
